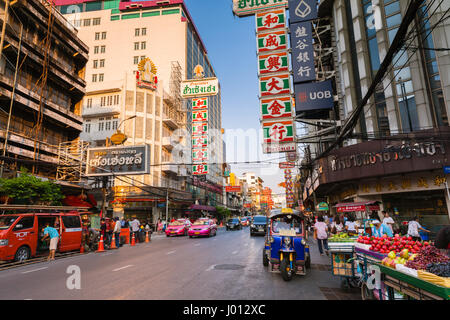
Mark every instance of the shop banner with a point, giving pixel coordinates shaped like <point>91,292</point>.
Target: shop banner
<point>199,129</point>
<point>200,116</point>
<point>302,52</point>
<point>243,8</point>
<point>123,160</point>
<point>232,188</point>
<point>200,155</point>
<point>276,108</point>
<point>286,165</point>
<point>302,10</point>
<point>199,87</point>
<point>278,131</point>
<point>279,147</point>
<point>266,21</point>
<point>314,95</point>
<point>274,85</point>
<point>199,103</point>
<point>275,62</point>
<point>271,41</point>
<point>200,142</point>
<point>199,169</point>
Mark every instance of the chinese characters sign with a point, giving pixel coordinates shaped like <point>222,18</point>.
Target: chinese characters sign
<point>302,10</point>
<point>271,41</point>
<point>278,131</point>
<point>302,52</point>
<point>199,129</point>
<point>266,21</point>
<point>274,85</point>
<point>250,7</point>
<point>199,169</point>
<point>200,155</point>
<point>275,62</point>
<point>276,108</point>
<point>200,142</point>
<point>200,116</point>
<point>199,103</point>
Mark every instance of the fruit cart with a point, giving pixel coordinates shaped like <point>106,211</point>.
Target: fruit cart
<point>412,288</point>
<point>342,260</point>
<point>365,260</point>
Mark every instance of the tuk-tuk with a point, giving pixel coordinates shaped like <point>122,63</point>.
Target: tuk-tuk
<point>285,248</point>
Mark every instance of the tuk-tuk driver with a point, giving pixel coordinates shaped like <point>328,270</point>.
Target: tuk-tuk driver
<point>53,234</point>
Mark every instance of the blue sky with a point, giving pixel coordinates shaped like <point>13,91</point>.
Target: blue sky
<point>231,45</point>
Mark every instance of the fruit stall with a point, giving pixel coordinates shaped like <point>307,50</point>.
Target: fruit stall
<point>341,247</point>
<point>393,268</point>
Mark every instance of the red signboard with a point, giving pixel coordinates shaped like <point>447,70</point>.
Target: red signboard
<point>351,208</point>
<point>233,189</point>
<point>286,165</point>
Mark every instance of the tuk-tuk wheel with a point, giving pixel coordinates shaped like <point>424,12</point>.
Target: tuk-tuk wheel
<point>22,254</point>
<point>285,274</point>
<point>265,259</point>
<point>308,262</point>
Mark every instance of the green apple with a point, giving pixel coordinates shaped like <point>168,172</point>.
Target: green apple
<point>391,255</point>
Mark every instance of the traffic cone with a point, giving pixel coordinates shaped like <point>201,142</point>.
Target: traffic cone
<point>100,245</point>
<point>133,242</point>
<point>221,224</point>
<point>146,237</point>
<point>82,248</point>
<point>113,242</point>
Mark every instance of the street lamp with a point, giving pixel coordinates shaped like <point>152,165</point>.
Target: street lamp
<point>405,101</point>
<point>132,117</point>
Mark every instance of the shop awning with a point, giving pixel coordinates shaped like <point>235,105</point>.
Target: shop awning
<point>357,206</point>
<point>202,207</point>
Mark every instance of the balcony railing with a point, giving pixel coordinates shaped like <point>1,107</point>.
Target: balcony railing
<point>97,110</point>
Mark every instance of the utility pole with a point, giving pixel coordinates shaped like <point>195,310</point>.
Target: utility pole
<point>167,206</point>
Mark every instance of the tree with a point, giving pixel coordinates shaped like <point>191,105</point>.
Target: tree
<point>28,189</point>
<point>222,213</point>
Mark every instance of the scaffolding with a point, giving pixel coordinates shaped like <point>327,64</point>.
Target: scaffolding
<point>72,158</point>
<point>175,86</point>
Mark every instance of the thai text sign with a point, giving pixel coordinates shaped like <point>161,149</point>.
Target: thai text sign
<point>250,7</point>
<point>302,10</point>
<point>302,52</point>
<point>286,165</point>
<point>274,108</point>
<point>271,41</point>
<point>314,95</point>
<point>275,19</point>
<point>275,62</point>
<point>279,147</point>
<point>122,160</point>
<point>199,88</point>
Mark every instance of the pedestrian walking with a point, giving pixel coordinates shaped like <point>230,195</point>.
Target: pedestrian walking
<point>159,226</point>
<point>388,221</point>
<point>117,230</point>
<point>337,226</point>
<point>135,227</point>
<point>414,227</point>
<point>53,235</point>
<point>321,235</point>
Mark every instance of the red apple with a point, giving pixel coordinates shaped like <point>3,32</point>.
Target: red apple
<point>409,238</point>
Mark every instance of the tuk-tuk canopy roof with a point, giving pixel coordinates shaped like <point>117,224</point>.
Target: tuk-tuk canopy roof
<point>276,213</point>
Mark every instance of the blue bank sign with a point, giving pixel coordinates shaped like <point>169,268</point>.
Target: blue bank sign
<point>313,96</point>
<point>302,52</point>
<point>302,10</point>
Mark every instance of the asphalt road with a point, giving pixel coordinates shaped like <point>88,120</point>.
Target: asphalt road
<point>228,266</point>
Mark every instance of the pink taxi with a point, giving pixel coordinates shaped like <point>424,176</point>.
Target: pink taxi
<point>203,227</point>
<point>179,227</point>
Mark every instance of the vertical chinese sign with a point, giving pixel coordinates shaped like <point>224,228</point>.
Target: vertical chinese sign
<point>289,188</point>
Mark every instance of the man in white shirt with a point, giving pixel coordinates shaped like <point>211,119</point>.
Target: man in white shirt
<point>413,229</point>
<point>387,220</point>
<point>135,227</point>
<point>117,229</point>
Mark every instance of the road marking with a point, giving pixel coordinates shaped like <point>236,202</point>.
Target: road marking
<point>130,265</point>
<point>170,252</point>
<point>196,245</point>
<point>234,252</point>
<point>210,268</point>
<point>35,270</point>
<point>107,254</point>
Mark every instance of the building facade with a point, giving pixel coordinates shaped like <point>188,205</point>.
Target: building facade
<point>126,38</point>
<point>42,70</point>
<point>396,153</point>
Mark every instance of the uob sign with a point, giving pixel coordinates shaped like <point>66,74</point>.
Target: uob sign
<point>314,95</point>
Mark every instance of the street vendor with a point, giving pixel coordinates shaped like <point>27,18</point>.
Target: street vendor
<point>380,229</point>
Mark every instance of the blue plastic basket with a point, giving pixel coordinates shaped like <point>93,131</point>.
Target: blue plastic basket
<point>424,236</point>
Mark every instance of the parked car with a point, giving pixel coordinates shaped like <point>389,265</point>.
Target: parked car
<point>179,227</point>
<point>234,224</point>
<point>203,227</point>
<point>258,225</point>
<point>21,234</point>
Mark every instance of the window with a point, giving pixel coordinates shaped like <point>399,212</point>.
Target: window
<point>96,21</point>
<point>108,125</point>
<point>143,45</point>
<point>110,98</point>
<point>87,126</point>
<point>103,101</point>
<point>116,99</point>
<point>142,57</point>
<point>136,60</point>
<point>95,49</point>
<point>102,49</point>
<point>87,22</point>
<point>89,103</point>
<point>101,77</point>
<point>102,63</point>
<point>115,123</point>
<point>71,221</point>
<point>103,35</point>
<point>97,36</point>
<point>95,64</point>
<point>144,31</point>
<point>101,124</point>
<point>136,46</point>
<point>24,223</point>
<point>94,78</point>
<point>136,32</point>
